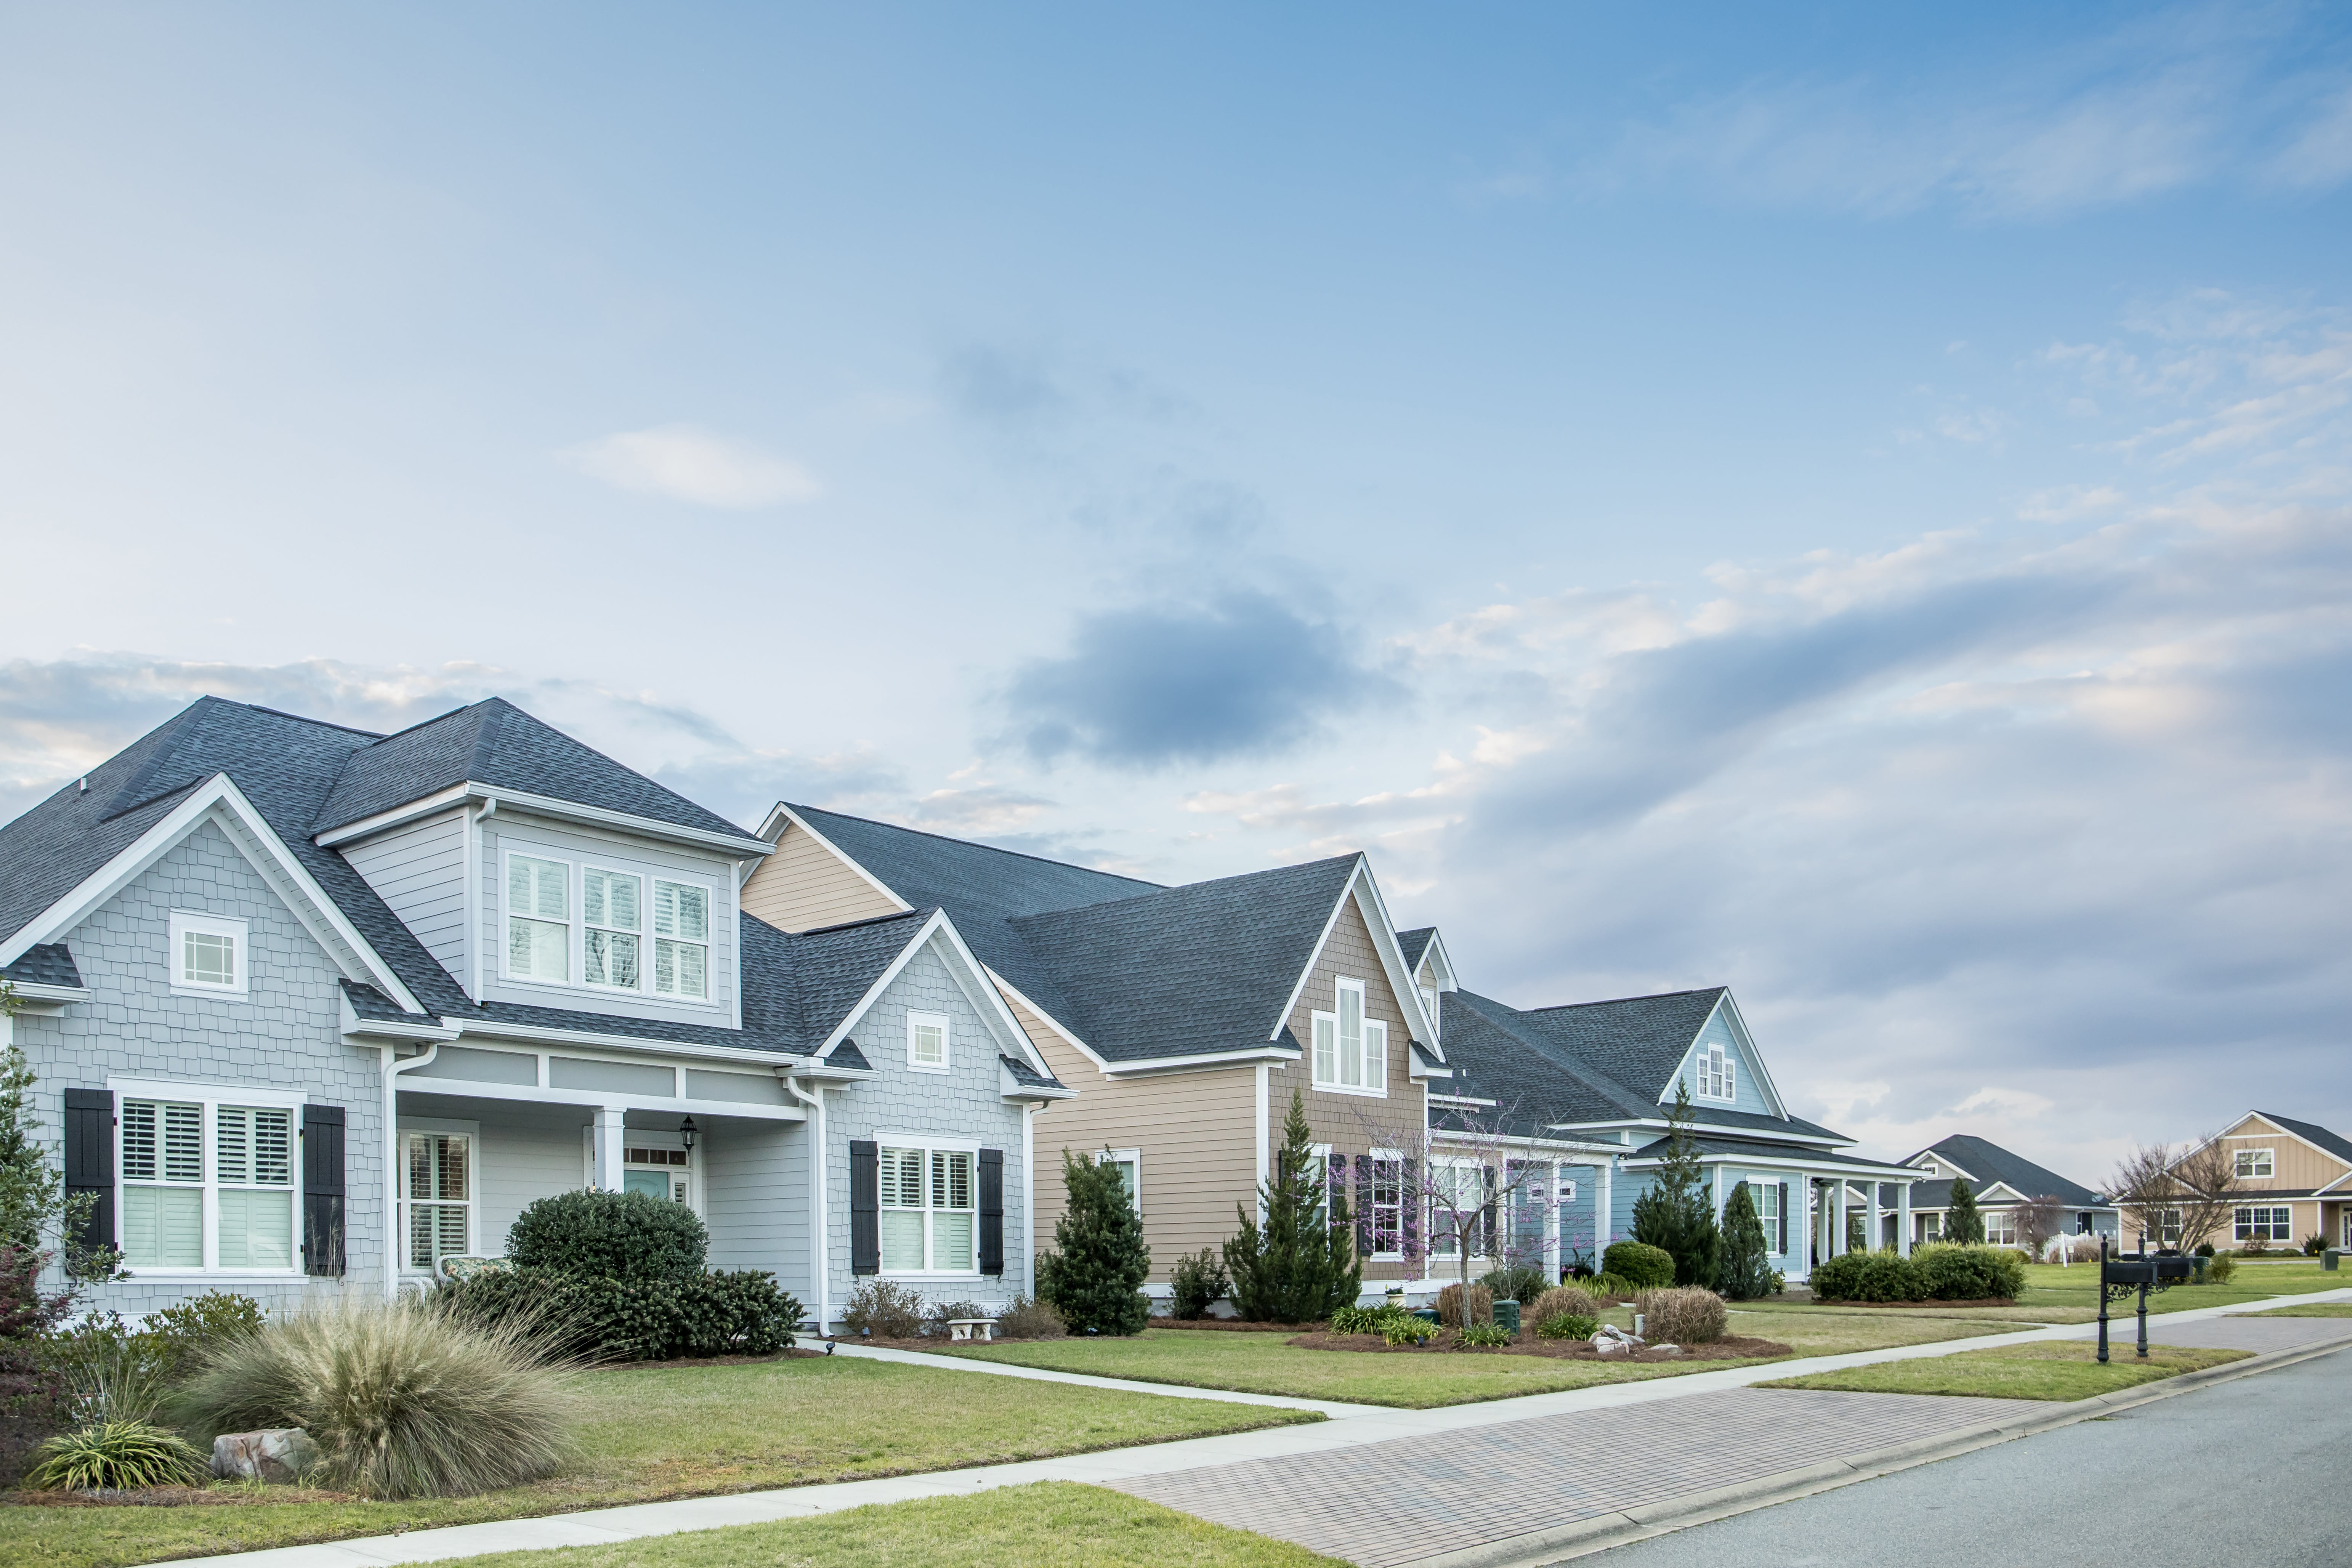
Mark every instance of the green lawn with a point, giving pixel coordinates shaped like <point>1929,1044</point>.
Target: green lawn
<point>2307,1310</point>
<point>2044,1371</point>
<point>2070,1294</point>
<point>1053,1524</point>
<point>1269,1363</point>
<point>680,1432</point>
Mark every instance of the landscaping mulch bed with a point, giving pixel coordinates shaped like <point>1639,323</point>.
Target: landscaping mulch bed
<point>1234,1325</point>
<point>935,1342</point>
<point>1981,1301</point>
<point>1729,1348</point>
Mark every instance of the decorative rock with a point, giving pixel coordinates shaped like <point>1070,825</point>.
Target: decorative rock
<point>279,1454</point>
<point>1667,1349</point>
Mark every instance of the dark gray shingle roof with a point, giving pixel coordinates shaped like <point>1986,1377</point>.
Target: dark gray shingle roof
<point>495,742</point>
<point>46,963</point>
<point>2313,1133</point>
<point>1636,1042</point>
<point>1414,942</point>
<point>1761,1148</point>
<point>1987,1162</point>
<point>1029,1077</point>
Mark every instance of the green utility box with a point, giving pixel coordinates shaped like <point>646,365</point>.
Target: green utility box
<point>1507,1316</point>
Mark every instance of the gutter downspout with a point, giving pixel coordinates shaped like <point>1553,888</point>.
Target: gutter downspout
<point>391,1071</point>
<point>1029,1196</point>
<point>820,1285</point>
<point>475,941</point>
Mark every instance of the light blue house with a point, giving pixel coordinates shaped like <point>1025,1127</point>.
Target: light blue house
<point>1587,1089</point>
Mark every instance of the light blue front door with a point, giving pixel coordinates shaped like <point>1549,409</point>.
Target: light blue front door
<point>653,1184</point>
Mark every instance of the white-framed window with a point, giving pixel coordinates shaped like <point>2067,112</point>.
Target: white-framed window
<point>931,1208</point>
<point>2266,1224</point>
<point>1383,1201</point>
<point>926,1042</point>
<point>2167,1228</point>
<point>438,1185</point>
<point>1351,1051</point>
<point>601,924</point>
<point>1320,1170</point>
<point>209,954</point>
<point>1429,1006</point>
<point>1129,1164</point>
<point>1931,1227</point>
<point>1765,1193</point>
<point>1457,1206</point>
<point>2000,1227</point>
<point>2254,1163</point>
<point>1715,1072</point>
<point>656,1172</point>
<point>208,1178</point>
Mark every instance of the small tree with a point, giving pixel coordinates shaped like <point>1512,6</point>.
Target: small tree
<point>1470,1182</point>
<point>1743,1270</point>
<point>1675,1213</point>
<point>1297,1265</point>
<point>1962,1221</point>
<point>34,1205</point>
<point>1095,1276</point>
<point>2144,1188</point>
<point>2206,1191</point>
<point>2038,1221</point>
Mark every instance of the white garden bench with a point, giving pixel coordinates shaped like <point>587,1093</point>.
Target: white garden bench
<point>962,1328</point>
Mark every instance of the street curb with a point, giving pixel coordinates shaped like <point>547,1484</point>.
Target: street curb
<point>1623,1527</point>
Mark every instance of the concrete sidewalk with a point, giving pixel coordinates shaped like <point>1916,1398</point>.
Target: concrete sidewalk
<point>1819,1425</point>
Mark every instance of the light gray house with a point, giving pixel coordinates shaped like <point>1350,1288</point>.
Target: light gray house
<point>309,1004</point>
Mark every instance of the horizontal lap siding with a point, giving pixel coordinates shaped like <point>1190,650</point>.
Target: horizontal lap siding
<point>1351,1124</point>
<point>803,885</point>
<point>523,1162</point>
<point>420,871</point>
<point>1197,1133</point>
<point>756,1200</point>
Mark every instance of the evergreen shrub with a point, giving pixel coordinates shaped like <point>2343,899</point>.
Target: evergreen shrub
<point>1517,1282</point>
<point>609,1235</point>
<point>1300,1265</point>
<point>1953,1272</point>
<point>1639,1264</point>
<point>1963,1224</point>
<point>2221,1268</point>
<point>1094,1276</point>
<point>1195,1283</point>
<point>734,1312</point>
<point>1868,1276</point>
<point>1743,1266</point>
<point>1568,1326</point>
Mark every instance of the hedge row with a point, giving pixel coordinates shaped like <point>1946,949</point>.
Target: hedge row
<point>1935,1273</point>
<point>739,1312</point>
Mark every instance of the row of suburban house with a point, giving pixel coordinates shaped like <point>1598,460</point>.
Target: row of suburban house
<point>307,1003</point>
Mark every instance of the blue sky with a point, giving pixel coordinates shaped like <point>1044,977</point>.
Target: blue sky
<point>1845,503</point>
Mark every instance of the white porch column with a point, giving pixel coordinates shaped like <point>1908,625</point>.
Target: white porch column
<point>608,1148</point>
<point>1600,1237</point>
<point>1551,1227</point>
<point>1718,1194</point>
<point>1837,1222</point>
<point>1903,1218</point>
<point>1877,1218</point>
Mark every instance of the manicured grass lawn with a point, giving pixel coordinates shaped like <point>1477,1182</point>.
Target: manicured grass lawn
<point>2307,1310</point>
<point>1053,1524</point>
<point>2046,1371</point>
<point>2047,1286</point>
<point>664,1432</point>
<point>1269,1363</point>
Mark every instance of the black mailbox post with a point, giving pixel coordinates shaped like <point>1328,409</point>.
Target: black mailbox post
<point>2121,1276</point>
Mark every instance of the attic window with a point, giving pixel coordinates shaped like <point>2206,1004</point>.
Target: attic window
<point>1351,1051</point>
<point>208,955</point>
<point>1716,1074</point>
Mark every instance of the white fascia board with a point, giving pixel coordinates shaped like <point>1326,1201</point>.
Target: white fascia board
<point>737,844</point>
<point>1148,1064</point>
<point>938,921</point>
<point>1637,1123</point>
<point>1901,1176</point>
<point>469,1089</point>
<point>427,1027</point>
<point>1360,886</point>
<point>318,913</point>
<point>1729,1008</point>
<point>535,1035</point>
<point>772,831</point>
<point>972,979</point>
<point>1009,1088</point>
<point>1441,1139</point>
<point>1048,1019</point>
<point>47,998</point>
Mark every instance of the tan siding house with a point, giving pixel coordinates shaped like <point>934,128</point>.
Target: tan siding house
<point>2295,1178</point>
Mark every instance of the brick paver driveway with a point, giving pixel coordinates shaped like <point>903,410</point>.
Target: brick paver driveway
<point>1386,1503</point>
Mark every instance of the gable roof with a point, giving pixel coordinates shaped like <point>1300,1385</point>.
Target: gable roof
<point>1416,942</point>
<point>1987,1162</point>
<point>1191,971</point>
<point>495,742</point>
<point>1638,1042</point>
<point>2313,1133</point>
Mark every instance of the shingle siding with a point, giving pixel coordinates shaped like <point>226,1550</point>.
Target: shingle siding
<point>284,1034</point>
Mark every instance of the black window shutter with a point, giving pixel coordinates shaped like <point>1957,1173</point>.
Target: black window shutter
<point>1363,1205</point>
<point>1783,1225</point>
<point>992,1211</point>
<point>864,1206</point>
<point>322,1190</point>
<point>1409,1209</point>
<point>1488,1220</point>
<point>90,1162</point>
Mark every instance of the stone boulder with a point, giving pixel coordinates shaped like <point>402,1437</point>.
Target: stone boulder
<point>279,1454</point>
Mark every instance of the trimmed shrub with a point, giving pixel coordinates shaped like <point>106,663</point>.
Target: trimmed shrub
<point>2221,1268</point>
<point>1638,1264</point>
<point>1953,1272</point>
<point>1686,1316</point>
<point>1030,1319</point>
<point>1483,1336</point>
<point>885,1310</point>
<point>116,1455</point>
<point>738,1313</point>
<point>1563,1298</point>
<point>1517,1282</point>
<point>1568,1326</point>
<point>1195,1282</point>
<point>1869,1276</point>
<point>1459,1306</point>
<point>2204,1250</point>
<point>2313,1245</point>
<point>404,1399</point>
<point>1095,1274</point>
<point>610,1235</point>
<point>1743,1269</point>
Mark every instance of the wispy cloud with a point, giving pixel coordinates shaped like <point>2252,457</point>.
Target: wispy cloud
<point>685,463</point>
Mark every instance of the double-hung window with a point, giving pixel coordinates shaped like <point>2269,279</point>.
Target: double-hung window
<point>609,902</point>
<point>2000,1227</point>
<point>539,919</point>
<point>439,1193</point>
<point>605,925</point>
<point>1351,1051</point>
<point>2266,1224</point>
<point>2254,1163</point>
<point>1128,1166</point>
<point>681,940</point>
<point>1458,1208</point>
<point>1383,1201</point>
<point>1715,1071</point>
<point>206,1183</point>
<point>1766,1196</point>
<point>930,1219</point>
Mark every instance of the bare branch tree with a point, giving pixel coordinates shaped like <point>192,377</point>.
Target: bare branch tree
<point>1457,1190</point>
<point>2038,1220</point>
<point>2205,1181</point>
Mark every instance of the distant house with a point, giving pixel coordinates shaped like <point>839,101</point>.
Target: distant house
<point>2295,1178</point>
<point>2001,1180</point>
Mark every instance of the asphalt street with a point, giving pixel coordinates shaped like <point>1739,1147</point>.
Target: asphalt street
<point>2252,1471</point>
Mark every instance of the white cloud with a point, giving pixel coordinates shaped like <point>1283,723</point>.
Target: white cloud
<point>689,463</point>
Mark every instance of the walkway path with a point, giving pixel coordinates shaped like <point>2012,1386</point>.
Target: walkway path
<point>1446,1504</point>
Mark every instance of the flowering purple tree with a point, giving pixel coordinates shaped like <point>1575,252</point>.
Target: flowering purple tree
<point>1457,1187</point>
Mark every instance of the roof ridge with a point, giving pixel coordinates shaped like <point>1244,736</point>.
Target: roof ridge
<point>422,723</point>
<point>1184,888</point>
<point>868,920</point>
<point>303,719</point>
<point>1615,1000</point>
<point>491,717</point>
<point>970,844</point>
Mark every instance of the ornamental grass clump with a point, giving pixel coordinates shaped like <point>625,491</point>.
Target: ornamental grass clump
<point>1562,1298</point>
<point>1686,1316</point>
<point>116,1456</point>
<point>1459,1306</point>
<point>404,1400</point>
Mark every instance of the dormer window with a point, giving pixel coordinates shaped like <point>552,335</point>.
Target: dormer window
<point>681,940</point>
<point>597,938</point>
<point>1351,1051</point>
<point>1717,1074</point>
<point>610,901</point>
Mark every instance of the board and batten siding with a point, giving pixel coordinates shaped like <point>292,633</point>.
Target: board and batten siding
<point>803,886</point>
<point>419,871</point>
<point>2295,1165</point>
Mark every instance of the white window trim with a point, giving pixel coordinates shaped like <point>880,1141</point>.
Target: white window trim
<point>211,1097</point>
<point>2268,1155</point>
<point>186,920</point>
<point>2238,1225</point>
<point>1405,1199</point>
<point>930,1145</point>
<point>946,1043</point>
<point>1364,1013</point>
<point>1428,1239</point>
<point>472,1132</point>
<point>1130,1156</point>
<point>1699,1075</point>
<point>576,925</point>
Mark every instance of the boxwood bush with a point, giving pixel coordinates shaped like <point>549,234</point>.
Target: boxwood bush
<point>735,1313</point>
<point>1639,1264</point>
<point>611,1236</point>
<point>1869,1276</point>
<point>1958,1272</point>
